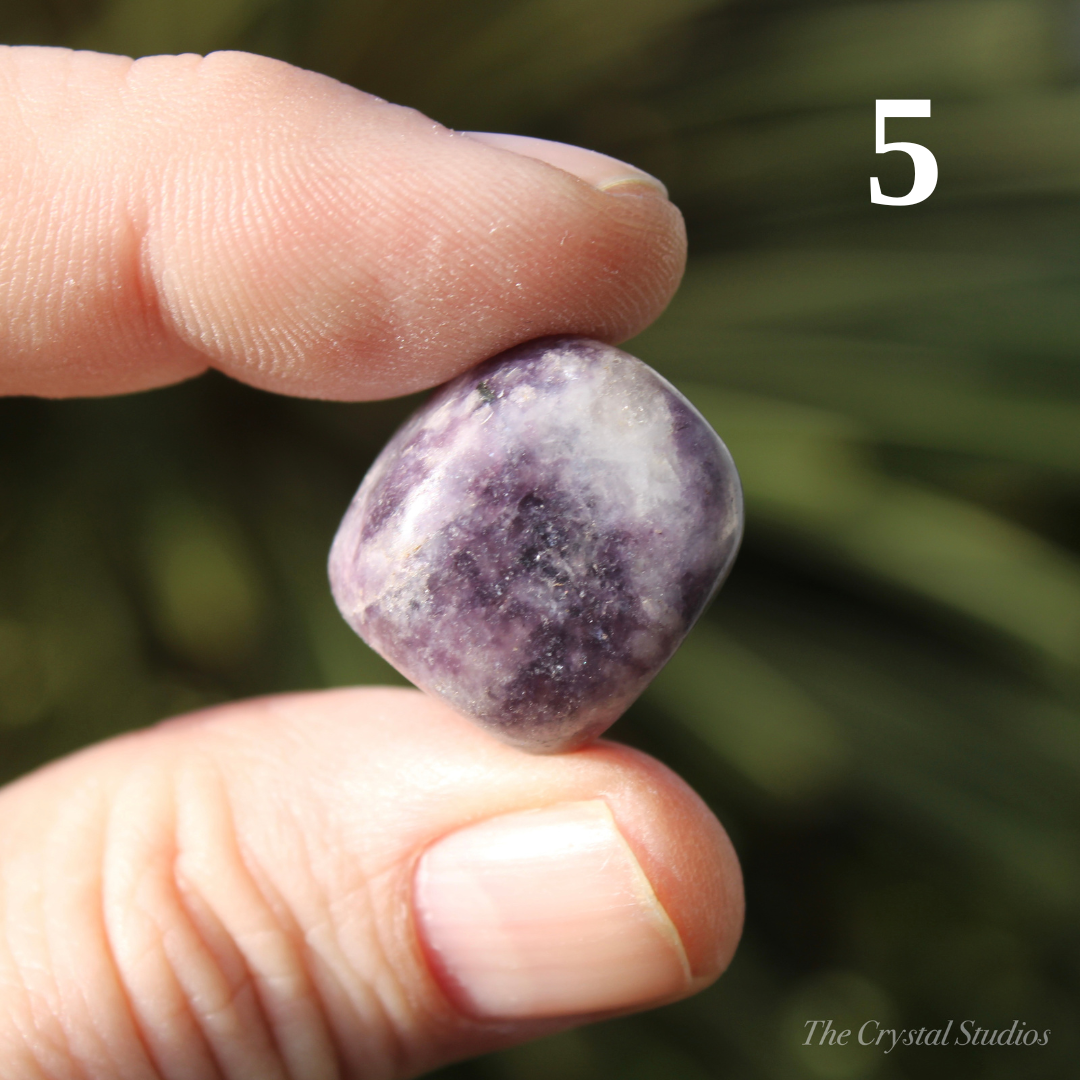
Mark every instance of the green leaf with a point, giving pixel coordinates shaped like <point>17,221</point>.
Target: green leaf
<point>135,28</point>
<point>807,472</point>
<point>755,719</point>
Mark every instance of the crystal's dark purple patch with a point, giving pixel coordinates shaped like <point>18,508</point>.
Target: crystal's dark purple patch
<point>536,541</point>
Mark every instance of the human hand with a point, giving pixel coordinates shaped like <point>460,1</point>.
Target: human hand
<point>355,882</point>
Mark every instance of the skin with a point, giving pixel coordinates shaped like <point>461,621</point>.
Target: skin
<point>228,894</point>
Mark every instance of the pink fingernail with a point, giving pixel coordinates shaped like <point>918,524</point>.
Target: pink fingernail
<point>603,172</point>
<point>546,913</point>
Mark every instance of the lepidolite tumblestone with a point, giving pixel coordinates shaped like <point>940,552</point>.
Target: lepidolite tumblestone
<point>534,543</point>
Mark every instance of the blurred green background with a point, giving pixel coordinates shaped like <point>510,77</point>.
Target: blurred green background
<point>884,704</point>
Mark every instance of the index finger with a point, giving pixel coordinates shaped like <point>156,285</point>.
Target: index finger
<point>165,215</point>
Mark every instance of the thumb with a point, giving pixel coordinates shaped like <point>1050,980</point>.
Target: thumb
<point>355,883</point>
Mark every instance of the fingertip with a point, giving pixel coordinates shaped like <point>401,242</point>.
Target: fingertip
<point>302,236</point>
<point>686,854</point>
<point>463,776</point>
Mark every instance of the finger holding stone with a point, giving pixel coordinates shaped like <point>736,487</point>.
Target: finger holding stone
<point>357,883</point>
<point>170,214</point>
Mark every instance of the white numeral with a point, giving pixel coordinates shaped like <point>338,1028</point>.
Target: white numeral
<point>925,162</point>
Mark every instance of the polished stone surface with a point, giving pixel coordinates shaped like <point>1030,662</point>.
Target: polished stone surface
<point>534,543</point>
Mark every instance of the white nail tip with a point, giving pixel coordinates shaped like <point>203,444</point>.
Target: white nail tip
<point>546,913</point>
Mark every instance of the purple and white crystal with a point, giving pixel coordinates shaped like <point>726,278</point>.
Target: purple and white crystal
<point>534,543</point>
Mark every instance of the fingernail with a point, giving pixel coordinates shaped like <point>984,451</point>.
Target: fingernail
<point>603,172</point>
<point>545,913</point>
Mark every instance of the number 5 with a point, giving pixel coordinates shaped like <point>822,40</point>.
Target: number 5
<point>925,162</point>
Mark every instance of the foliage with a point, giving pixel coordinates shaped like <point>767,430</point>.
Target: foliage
<point>884,705</point>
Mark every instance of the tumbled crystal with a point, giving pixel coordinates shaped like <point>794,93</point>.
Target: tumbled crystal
<point>534,543</point>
